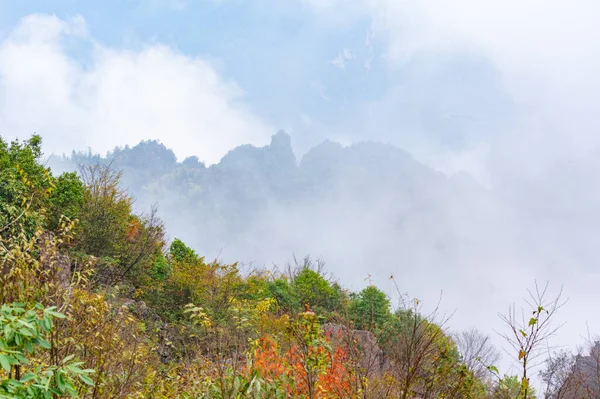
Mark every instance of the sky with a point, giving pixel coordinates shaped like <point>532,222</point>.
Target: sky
<point>449,81</point>
<point>458,84</point>
<point>506,90</point>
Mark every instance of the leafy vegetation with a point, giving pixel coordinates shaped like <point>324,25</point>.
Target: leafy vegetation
<point>23,333</point>
<point>96,303</point>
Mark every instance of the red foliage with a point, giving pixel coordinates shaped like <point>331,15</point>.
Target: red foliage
<point>334,381</point>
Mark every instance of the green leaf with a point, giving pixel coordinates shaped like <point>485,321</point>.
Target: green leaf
<point>56,314</point>
<point>493,369</point>
<point>28,377</point>
<point>86,380</point>
<point>5,363</point>
<point>532,321</point>
<point>43,343</point>
<point>68,358</point>
<point>60,381</point>
<point>523,332</point>
<point>28,325</point>
<point>47,323</point>
<point>24,331</point>
<point>20,358</point>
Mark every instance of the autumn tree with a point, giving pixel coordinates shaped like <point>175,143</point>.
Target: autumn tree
<point>108,229</point>
<point>529,333</point>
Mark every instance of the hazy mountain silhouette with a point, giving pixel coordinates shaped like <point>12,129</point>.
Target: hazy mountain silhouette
<point>364,204</point>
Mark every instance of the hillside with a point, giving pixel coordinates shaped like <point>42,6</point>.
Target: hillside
<point>97,301</point>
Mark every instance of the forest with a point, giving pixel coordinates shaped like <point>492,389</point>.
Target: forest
<point>97,302</point>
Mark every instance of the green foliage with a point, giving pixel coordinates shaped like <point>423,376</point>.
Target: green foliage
<point>181,252</point>
<point>126,243</point>
<point>309,287</point>
<point>23,333</point>
<point>184,279</point>
<point>511,387</point>
<point>66,199</point>
<point>255,286</point>
<point>370,309</point>
<point>240,386</point>
<point>161,269</point>
<point>24,187</point>
<point>281,290</point>
<point>105,212</point>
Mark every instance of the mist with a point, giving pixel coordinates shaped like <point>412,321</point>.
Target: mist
<point>480,172</point>
<point>371,211</point>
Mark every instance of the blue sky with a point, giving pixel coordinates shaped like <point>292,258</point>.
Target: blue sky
<point>456,85</point>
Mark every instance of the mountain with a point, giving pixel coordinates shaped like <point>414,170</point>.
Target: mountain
<point>367,203</point>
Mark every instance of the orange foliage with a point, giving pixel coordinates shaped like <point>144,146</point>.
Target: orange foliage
<point>289,368</point>
<point>338,381</point>
<point>134,226</point>
<point>267,360</point>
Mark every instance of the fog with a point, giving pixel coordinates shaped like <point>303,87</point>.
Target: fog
<point>495,104</point>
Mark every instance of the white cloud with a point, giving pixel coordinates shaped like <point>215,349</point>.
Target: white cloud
<point>122,97</point>
<point>513,31</point>
<point>341,60</point>
<point>548,53</point>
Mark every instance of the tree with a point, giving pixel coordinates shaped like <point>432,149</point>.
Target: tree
<point>105,211</point>
<point>310,288</point>
<point>561,378</point>
<point>477,352</point>
<point>412,342</point>
<point>66,199</point>
<point>24,187</point>
<point>281,290</point>
<point>370,309</point>
<point>181,252</point>
<point>423,359</point>
<point>109,230</point>
<point>528,335</point>
<point>311,368</point>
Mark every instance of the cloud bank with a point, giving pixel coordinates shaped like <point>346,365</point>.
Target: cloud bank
<point>546,57</point>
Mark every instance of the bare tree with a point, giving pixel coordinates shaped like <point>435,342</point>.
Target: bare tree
<point>477,352</point>
<point>573,376</point>
<point>529,333</point>
<point>293,269</point>
<point>414,344</point>
<point>560,376</point>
